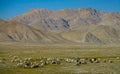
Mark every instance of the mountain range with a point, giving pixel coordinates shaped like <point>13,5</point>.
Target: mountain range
<point>82,26</point>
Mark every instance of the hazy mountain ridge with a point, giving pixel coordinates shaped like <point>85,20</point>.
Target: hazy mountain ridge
<point>79,26</point>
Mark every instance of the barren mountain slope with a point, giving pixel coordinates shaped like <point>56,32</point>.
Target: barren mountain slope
<point>84,25</point>
<point>13,31</point>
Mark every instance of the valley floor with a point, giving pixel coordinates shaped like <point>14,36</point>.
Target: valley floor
<point>103,52</point>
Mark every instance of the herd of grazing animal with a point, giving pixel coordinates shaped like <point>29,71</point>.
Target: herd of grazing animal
<point>43,61</point>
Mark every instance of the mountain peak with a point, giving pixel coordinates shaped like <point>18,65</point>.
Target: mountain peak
<point>39,10</point>
<point>88,9</point>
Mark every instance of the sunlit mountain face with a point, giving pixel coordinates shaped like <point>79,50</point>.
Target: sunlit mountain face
<point>84,25</point>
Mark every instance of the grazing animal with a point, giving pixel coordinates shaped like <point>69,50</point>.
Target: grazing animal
<point>83,61</point>
<point>110,61</point>
<point>68,60</point>
<point>34,66</point>
<point>58,62</point>
<point>20,64</point>
<point>46,63</point>
<point>49,59</point>
<point>93,60</point>
<point>42,64</point>
<point>53,62</point>
<point>78,63</point>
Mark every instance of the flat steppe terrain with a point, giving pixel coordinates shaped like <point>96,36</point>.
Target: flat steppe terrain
<point>107,55</point>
